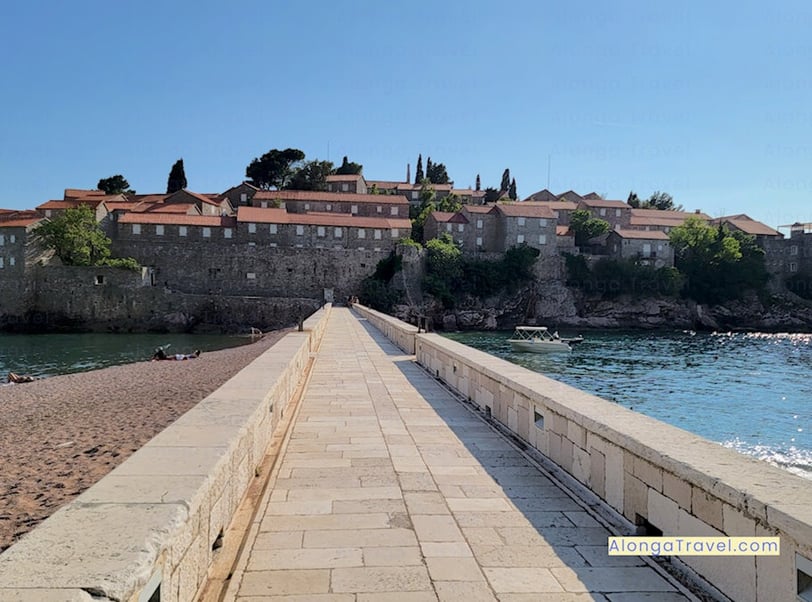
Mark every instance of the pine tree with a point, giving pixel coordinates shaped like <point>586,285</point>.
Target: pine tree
<point>505,180</point>
<point>177,178</point>
<point>512,190</point>
<point>478,183</point>
<point>418,172</point>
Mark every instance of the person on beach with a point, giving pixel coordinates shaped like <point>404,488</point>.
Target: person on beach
<point>160,354</point>
<point>19,378</point>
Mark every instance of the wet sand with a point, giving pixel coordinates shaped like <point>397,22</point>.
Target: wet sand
<point>60,435</point>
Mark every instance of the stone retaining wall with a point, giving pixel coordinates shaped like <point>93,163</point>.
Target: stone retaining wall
<point>397,331</point>
<point>154,521</point>
<point>655,475</point>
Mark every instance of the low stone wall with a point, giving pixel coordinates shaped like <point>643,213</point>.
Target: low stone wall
<point>654,474</point>
<point>397,331</point>
<point>154,522</point>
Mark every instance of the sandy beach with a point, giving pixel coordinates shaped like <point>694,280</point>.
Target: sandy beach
<point>60,435</point>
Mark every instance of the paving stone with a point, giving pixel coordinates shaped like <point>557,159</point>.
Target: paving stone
<point>522,580</point>
<point>391,537</point>
<point>598,556</point>
<point>392,556</point>
<point>380,579</point>
<point>436,528</point>
<point>463,591</point>
<point>398,597</point>
<point>454,569</point>
<point>313,558</point>
<point>613,579</point>
<point>448,549</point>
<point>283,583</point>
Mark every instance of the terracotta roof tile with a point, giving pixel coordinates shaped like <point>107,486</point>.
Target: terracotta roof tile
<point>747,225</point>
<point>563,231</point>
<point>642,234</point>
<point>604,203</point>
<point>441,216</point>
<point>22,222</point>
<point>344,177</point>
<point>477,208</point>
<point>70,204</point>
<point>525,210</point>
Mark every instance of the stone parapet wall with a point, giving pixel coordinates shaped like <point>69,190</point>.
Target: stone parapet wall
<point>154,522</point>
<point>397,331</point>
<point>653,474</point>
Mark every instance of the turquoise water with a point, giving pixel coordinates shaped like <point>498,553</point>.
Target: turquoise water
<point>748,391</point>
<point>50,354</point>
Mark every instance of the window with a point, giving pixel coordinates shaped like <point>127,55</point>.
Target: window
<point>252,228</point>
<point>299,230</point>
<point>354,209</point>
<point>251,276</point>
<point>543,222</point>
<point>415,195</point>
<point>2,239</point>
<point>307,206</point>
<point>338,233</point>
<point>646,249</point>
<point>271,244</point>
<point>320,231</point>
<point>183,231</point>
<point>377,235</point>
<point>520,221</point>
<point>542,239</point>
<point>99,280</point>
<point>12,238</point>
<point>159,230</point>
<point>479,224</point>
<point>2,260</point>
<point>136,228</point>
<point>520,239</point>
<point>793,267</point>
<point>617,212</point>
<point>793,250</point>
<point>379,209</point>
<point>603,211</point>
<point>243,198</point>
<point>264,204</point>
<point>272,228</point>
<point>12,261</point>
<point>393,211</point>
<point>479,241</point>
<point>227,232</point>
<point>329,207</point>
<point>206,232</point>
<point>362,233</point>
<point>448,227</point>
<point>395,232</point>
<point>460,227</point>
<point>345,187</point>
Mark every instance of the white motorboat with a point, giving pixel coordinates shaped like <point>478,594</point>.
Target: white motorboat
<point>539,339</point>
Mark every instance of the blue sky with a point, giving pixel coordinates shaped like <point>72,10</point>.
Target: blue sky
<point>709,101</point>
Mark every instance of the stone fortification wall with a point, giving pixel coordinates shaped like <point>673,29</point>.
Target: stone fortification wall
<point>119,300</point>
<point>219,266</point>
<point>655,475</point>
<point>150,529</point>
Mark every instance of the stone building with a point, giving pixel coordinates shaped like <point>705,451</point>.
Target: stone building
<point>240,195</point>
<point>362,205</point>
<point>354,184</point>
<point>617,213</point>
<point>664,221</point>
<point>531,224</point>
<point>651,248</point>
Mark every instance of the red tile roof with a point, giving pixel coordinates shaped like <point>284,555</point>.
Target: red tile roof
<point>441,216</point>
<point>384,184</point>
<point>657,217</point>
<point>542,195</point>
<point>329,197</point>
<point>563,231</point>
<point>174,219</point>
<point>525,210</point>
<point>22,222</point>
<point>604,203</point>
<point>77,193</point>
<point>477,208</point>
<point>747,224</point>
<point>70,204</point>
<point>642,234</point>
<point>553,205</point>
<point>344,177</point>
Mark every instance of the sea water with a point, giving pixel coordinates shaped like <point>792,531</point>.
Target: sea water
<point>748,391</point>
<point>51,354</point>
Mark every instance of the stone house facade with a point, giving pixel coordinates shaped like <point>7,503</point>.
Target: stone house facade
<point>522,223</point>
<point>617,213</point>
<point>648,248</point>
<point>664,221</point>
<point>240,195</point>
<point>362,205</point>
<point>353,184</point>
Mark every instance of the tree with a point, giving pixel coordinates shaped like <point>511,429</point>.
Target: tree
<point>633,200</point>
<point>418,172</point>
<point>177,178</point>
<point>274,168</point>
<point>587,227</point>
<point>116,184</point>
<point>450,203</point>
<point>505,180</point>
<point>662,201</point>
<point>437,173</point>
<point>719,265</point>
<point>348,168</point>
<point>311,176</point>
<point>478,183</point>
<point>512,190</point>
<point>428,168</point>
<point>75,237</point>
<point>492,195</point>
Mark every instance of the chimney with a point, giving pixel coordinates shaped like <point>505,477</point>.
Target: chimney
<point>408,172</point>
<point>697,211</point>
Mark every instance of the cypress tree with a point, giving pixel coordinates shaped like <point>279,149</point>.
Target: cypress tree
<point>505,181</point>
<point>512,190</point>
<point>177,178</point>
<point>418,172</point>
<point>429,167</point>
<point>478,184</point>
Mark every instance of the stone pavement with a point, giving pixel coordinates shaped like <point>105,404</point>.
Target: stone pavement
<point>390,489</point>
